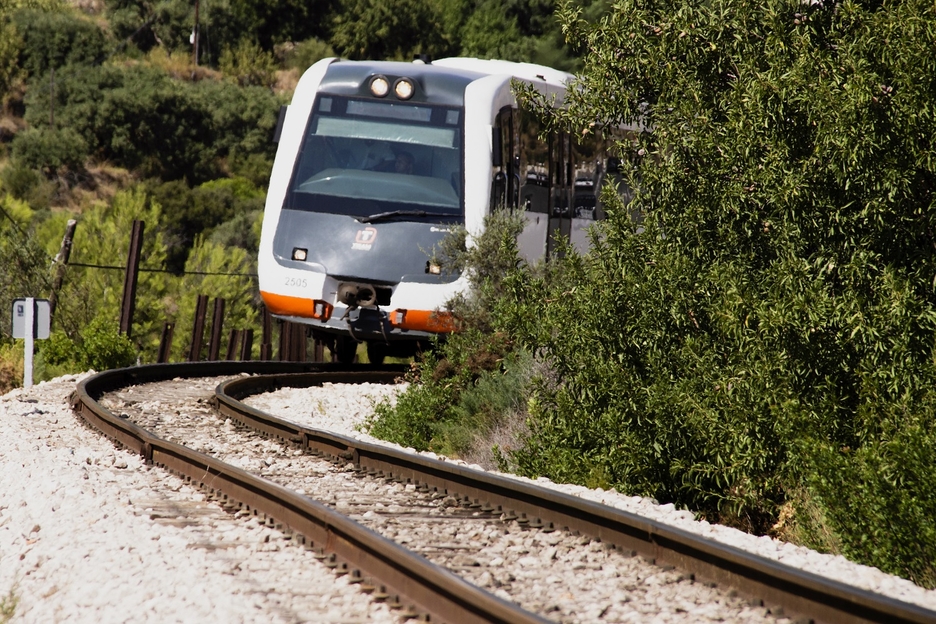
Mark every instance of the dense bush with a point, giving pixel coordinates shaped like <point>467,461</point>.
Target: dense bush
<point>475,382</point>
<point>98,347</point>
<point>306,53</point>
<point>139,118</point>
<point>764,341</point>
<point>50,149</point>
<point>54,39</point>
<point>188,213</point>
<point>248,65</point>
<point>770,334</point>
<point>25,263</point>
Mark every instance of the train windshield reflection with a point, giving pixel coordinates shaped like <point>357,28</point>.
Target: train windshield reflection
<point>362,157</point>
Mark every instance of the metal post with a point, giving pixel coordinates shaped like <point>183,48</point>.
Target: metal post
<point>300,343</point>
<point>246,344</point>
<point>266,340</point>
<point>284,338</point>
<point>198,330</point>
<point>217,319</point>
<point>29,339</point>
<point>130,279</point>
<point>318,349</point>
<point>62,261</point>
<point>232,344</point>
<point>165,343</point>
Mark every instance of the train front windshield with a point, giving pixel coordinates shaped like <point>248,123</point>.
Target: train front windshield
<point>367,158</point>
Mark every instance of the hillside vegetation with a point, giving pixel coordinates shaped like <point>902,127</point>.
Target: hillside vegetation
<point>760,350</point>
<point>108,117</point>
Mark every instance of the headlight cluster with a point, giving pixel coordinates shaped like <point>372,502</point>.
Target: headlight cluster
<point>403,88</point>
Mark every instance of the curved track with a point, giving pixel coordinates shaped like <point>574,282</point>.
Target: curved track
<point>427,588</point>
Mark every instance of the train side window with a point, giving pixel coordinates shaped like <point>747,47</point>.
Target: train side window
<point>504,178</point>
<point>533,170</point>
<point>586,167</point>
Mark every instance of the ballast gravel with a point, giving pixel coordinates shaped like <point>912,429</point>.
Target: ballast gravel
<point>81,524</point>
<point>565,578</point>
<point>88,533</point>
<point>316,407</point>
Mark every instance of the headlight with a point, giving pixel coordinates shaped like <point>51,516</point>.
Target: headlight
<point>379,86</point>
<point>403,88</point>
<point>300,254</point>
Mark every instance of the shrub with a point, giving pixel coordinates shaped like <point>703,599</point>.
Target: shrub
<point>98,347</point>
<point>874,498</point>
<point>103,347</point>
<point>11,366</point>
<point>303,55</point>
<point>54,39</point>
<point>28,185</point>
<point>248,65</point>
<point>50,149</point>
<point>137,118</point>
<point>462,391</point>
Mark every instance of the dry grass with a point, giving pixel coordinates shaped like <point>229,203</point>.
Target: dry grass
<point>494,445</point>
<point>11,374</point>
<point>8,606</point>
<point>179,65</point>
<point>802,522</point>
<point>286,81</point>
<point>101,182</point>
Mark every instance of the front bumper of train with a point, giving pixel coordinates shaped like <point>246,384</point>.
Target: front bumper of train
<point>363,323</point>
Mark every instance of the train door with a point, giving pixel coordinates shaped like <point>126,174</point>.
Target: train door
<point>534,196</point>
<point>505,180</point>
<point>560,177</point>
<point>586,161</point>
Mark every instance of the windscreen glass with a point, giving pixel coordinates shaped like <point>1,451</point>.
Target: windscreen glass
<point>366,157</point>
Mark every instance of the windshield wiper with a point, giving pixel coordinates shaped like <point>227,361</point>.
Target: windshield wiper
<point>380,216</point>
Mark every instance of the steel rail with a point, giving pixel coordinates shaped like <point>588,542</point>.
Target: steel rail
<point>349,546</point>
<point>772,583</point>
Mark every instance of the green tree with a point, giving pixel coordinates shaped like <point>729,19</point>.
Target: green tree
<point>25,263</point>
<point>388,30</point>
<point>767,335</point>
<point>248,64</point>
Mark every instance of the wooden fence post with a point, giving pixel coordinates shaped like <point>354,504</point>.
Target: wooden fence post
<point>198,329</point>
<point>217,320</point>
<point>130,278</point>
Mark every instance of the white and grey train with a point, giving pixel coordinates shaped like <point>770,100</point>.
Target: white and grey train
<point>378,161</point>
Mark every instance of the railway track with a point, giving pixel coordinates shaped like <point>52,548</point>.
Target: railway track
<point>411,582</point>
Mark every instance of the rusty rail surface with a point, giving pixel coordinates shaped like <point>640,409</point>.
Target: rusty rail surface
<point>430,590</point>
<point>774,584</point>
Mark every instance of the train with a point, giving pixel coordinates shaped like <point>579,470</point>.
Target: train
<point>377,161</point>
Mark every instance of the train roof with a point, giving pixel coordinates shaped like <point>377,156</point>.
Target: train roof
<point>526,71</point>
<point>442,81</point>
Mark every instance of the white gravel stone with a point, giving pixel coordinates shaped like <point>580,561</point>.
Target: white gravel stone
<point>87,535</point>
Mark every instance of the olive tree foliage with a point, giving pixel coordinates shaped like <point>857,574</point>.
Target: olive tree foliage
<point>53,39</point>
<point>765,340</point>
<point>139,118</point>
